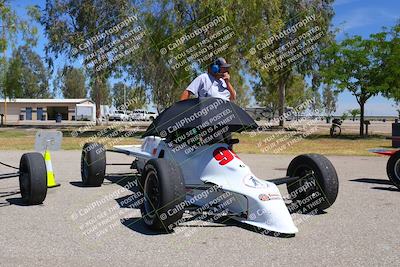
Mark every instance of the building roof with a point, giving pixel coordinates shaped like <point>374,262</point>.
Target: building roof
<point>47,100</point>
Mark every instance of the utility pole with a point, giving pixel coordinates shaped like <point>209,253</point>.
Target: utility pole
<point>4,58</point>
<point>5,92</point>
<point>125,97</point>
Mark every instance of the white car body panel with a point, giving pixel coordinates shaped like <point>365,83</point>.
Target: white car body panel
<point>259,200</point>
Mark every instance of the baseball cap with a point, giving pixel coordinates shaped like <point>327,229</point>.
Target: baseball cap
<point>222,62</point>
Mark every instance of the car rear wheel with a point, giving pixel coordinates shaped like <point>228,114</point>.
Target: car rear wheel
<point>164,190</point>
<point>33,178</point>
<point>93,164</point>
<point>393,169</point>
<point>318,183</point>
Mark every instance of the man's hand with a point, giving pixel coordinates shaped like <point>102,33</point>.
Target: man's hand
<point>185,95</point>
<point>226,77</point>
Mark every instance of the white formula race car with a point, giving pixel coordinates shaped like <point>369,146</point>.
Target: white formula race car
<point>210,177</point>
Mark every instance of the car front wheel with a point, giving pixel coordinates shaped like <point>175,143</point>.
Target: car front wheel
<point>164,191</point>
<point>317,185</point>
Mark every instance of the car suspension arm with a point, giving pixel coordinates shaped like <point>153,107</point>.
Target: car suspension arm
<point>9,175</point>
<point>2,163</point>
<point>284,180</point>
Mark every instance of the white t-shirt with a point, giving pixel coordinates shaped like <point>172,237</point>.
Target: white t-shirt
<point>205,85</point>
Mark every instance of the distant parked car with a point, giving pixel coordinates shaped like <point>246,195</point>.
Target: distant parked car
<point>150,116</point>
<point>119,115</point>
<point>143,115</point>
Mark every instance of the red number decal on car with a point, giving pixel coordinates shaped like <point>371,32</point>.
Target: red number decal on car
<point>223,155</point>
<point>236,156</point>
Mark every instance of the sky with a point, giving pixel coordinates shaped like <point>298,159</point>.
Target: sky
<point>353,17</point>
<point>363,17</point>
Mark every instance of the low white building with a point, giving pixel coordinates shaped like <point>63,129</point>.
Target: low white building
<point>21,109</point>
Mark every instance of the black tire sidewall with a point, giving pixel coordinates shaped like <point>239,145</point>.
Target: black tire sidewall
<point>171,190</point>
<point>325,176</point>
<point>93,164</point>
<point>33,178</point>
<point>390,169</point>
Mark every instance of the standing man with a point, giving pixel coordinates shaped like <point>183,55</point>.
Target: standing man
<point>214,83</point>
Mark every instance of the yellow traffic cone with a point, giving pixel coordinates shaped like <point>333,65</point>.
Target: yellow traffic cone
<point>51,181</point>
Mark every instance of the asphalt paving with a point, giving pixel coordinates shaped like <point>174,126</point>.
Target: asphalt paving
<point>80,226</point>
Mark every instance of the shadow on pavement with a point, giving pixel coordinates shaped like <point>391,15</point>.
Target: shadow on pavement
<point>393,189</point>
<point>122,179</point>
<point>229,222</point>
<point>372,181</point>
<point>78,184</point>
<point>17,201</point>
<point>378,181</point>
<point>4,204</point>
<point>7,194</point>
<point>10,201</point>
<point>136,224</point>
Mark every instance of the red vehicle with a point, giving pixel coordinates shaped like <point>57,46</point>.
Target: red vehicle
<point>393,165</point>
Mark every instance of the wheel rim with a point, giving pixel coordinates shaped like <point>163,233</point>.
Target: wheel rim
<point>152,195</point>
<point>397,169</point>
<point>306,175</point>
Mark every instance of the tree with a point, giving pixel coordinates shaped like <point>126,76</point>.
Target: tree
<point>133,97</point>
<point>85,29</point>
<point>389,43</point>
<point>155,76</point>
<point>354,113</point>
<point>329,100</point>
<point>242,90</point>
<point>13,76</point>
<point>27,75</point>
<point>137,98</point>
<point>252,23</point>
<point>316,101</point>
<point>267,96</point>
<point>12,26</point>
<point>355,65</point>
<point>344,116</point>
<point>119,94</point>
<point>290,13</point>
<point>296,93</point>
<point>102,90</point>
<point>70,82</point>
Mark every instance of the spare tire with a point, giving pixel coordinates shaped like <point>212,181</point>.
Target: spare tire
<point>393,169</point>
<point>317,178</point>
<point>164,190</point>
<point>93,164</point>
<point>33,178</point>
